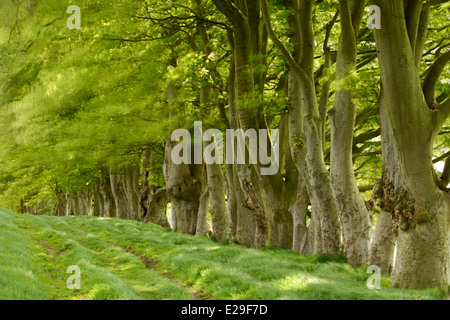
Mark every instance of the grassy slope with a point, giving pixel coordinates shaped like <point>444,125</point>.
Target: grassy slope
<point>107,272</point>
<point>123,259</point>
<point>18,273</point>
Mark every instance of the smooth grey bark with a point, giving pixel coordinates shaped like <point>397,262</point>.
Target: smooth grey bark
<point>353,212</point>
<point>445,177</point>
<point>231,200</point>
<point>202,226</point>
<point>279,193</point>
<point>100,201</point>
<point>75,205</point>
<point>240,217</point>
<point>216,188</point>
<point>95,204</point>
<point>280,222</point>
<point>154,201</point>
<point>233,204</point>
<point>184,185</point>
<point>272,219</point>
<point>61,204</point>
<point>214,193</point>
<point>69,206</point>
<point>81,205</point>
<point>246,222</point>
<point>85,203</point>
<point>420,208</point>
<point>321,191</point>
<point>147,163</point>
<point>119,194</point>
<point>131,190</point>
<point>303,238</point>
<point>243,20</point>
<point>382,247</point>
<point>313,242</point>
<point>384,239</point>
<point>107,195</point>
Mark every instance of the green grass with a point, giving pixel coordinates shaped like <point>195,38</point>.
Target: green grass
<point>42,249</point>
<point>110,254</point>
<point>18,273</point>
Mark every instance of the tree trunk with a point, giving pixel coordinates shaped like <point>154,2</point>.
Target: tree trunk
<point>85,203</point>
<point>298,151</point>
<point>384,238</point>
<point>245,222</point>
<point>154,203</point>
<point>81,206</point>
<point>250,207</point>
<point>306,131</point>
<point>420,210</point>
<point>279,193</point>
<point>131,190</point>
<point>61,204</point>
<point>147,161</point>
<point>232,204</point>
<point>303,240</point>
<point>184,187</point>
<point>69,208</point>
<point>383,244</point>
<point>202,226</point>
<point>100,202</point>
<point>354,215</point>
<point>119,194</point>
<point>215,181</point>
<point>216,187</point>
<point>107,195</point>
<point>75,206</point>
<point>299,209</point>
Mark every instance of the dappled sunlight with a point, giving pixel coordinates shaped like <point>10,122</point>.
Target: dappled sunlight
<point>99,292</point>
<point>224,149</point>
<point>112,268</point>
<point>297,282</point>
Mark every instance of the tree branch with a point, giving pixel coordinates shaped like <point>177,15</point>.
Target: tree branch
<point>432,77</point>
<point>284,51</point>
<point>434,2</point>
<point>365,188</point>
<point>422,32</point>
<point>445,177</point>
<point>442,157</point>
<point>413,11</point>
<point>233,13</point>
<point>346,17</point>
<point>443,112</point>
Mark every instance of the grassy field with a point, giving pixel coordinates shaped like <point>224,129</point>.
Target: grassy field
<point>123,259</point>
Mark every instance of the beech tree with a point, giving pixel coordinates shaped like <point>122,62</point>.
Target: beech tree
<point>87,116</point>
<point>413,198</point>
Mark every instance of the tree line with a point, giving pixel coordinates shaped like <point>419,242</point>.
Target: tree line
<point>362,117</point>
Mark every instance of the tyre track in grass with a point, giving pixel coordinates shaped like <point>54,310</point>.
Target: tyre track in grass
<point>49,261</point>
<point>115,263</point>
<point>148,263</point>
<point>221,271</point>
<point>152,264</point>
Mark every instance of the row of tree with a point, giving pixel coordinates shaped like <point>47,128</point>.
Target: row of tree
<point>87,116</point>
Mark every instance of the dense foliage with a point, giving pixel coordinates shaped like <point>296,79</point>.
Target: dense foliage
<point>86,114</point>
